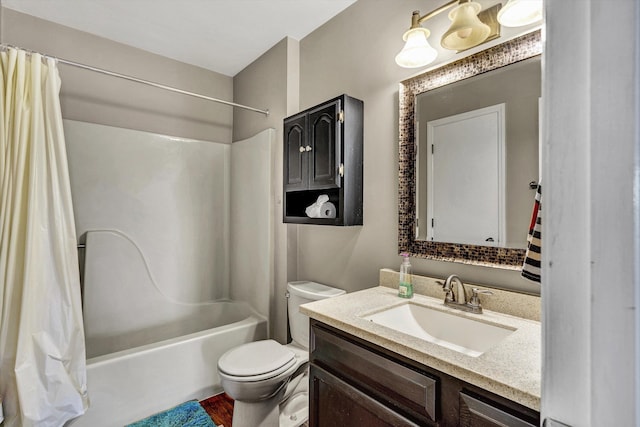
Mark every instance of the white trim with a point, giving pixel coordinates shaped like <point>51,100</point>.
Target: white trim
<point>591,241</point>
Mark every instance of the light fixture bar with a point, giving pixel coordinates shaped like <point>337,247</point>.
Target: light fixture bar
<point>466,31</point>
<point>416,19</point>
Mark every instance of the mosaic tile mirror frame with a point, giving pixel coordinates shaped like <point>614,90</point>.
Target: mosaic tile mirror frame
<point>512,51</point>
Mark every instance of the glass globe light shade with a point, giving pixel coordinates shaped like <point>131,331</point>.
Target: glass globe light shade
<point>466,29</point>
<point>517,13</point>
<point>417,52</point>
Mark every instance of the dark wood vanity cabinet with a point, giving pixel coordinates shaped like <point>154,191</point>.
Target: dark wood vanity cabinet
<point>355,383</point>
<point>323,155</point>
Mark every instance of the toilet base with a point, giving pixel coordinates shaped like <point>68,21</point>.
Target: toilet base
<point>265,413</point>
<point>289,407</point>
<point>295,410</point>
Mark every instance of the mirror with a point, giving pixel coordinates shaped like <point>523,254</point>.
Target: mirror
<point>445,165</point>
<point>476,156</point>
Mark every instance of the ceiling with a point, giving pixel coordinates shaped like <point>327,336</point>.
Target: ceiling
<point>220,35</point>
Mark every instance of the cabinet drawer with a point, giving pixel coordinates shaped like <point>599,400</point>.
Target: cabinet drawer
<point>381,377</point>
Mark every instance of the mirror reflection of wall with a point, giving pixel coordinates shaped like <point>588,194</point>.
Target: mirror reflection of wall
<point>518,87</point>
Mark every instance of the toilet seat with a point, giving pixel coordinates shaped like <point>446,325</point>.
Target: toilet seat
<point>257,361</point>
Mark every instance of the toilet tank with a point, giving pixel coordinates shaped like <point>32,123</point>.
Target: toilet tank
<point>302,292</point>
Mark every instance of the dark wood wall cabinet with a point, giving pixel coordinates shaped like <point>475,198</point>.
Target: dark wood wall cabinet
<point>356,383</point>
<point>323,156</point>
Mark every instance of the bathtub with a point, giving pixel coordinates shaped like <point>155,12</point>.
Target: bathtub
<point>128,385</point>
<point>146,351</point>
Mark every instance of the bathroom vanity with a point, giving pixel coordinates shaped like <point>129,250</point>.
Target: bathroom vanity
<point>367,373</point>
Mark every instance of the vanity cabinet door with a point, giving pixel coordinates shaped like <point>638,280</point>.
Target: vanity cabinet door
<point>477,411</point>
<point>296,175</point>
<point>336,403</point>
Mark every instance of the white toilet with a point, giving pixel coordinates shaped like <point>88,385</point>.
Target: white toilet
<point>269,381</point>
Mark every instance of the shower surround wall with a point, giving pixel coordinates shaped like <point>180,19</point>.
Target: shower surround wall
<point>168,196</point>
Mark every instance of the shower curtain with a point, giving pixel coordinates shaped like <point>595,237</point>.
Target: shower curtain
<point>42,350</point>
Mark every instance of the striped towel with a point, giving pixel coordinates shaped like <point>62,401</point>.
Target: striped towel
<point>531,265</point>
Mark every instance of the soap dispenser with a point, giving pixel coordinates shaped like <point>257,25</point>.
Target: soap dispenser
<point>405,287</point>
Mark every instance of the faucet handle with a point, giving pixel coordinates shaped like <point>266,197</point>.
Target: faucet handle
<point>474,301</point>
<point>446,287</point>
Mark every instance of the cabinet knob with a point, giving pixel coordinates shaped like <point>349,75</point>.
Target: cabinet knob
<point>301,149</point>
<point>308,148</point>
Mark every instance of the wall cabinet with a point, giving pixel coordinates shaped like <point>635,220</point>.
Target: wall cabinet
<point>323,155</point>
<point>353,383</point>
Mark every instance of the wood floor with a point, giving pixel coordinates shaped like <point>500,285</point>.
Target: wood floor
<point>219,408</point>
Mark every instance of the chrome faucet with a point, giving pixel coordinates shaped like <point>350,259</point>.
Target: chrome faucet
<point>458,298</point>
<point>460,294</point>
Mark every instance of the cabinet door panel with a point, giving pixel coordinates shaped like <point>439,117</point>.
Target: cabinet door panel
<point>478,413</point>
<point>295,154</point>
<point>324,139</point>
<point>337,404</point>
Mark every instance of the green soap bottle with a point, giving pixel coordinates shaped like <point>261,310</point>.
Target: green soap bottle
<point>405,287</point>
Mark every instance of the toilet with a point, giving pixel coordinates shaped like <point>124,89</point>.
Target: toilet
<point>269,381</point>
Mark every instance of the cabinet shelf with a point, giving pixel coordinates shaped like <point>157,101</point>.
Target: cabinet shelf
<point>323,156</point>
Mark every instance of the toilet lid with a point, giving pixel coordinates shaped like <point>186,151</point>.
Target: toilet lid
<point>255,358</point>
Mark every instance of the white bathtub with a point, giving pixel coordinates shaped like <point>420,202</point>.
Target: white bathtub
<point>147,352</point>
<point>131,384</point>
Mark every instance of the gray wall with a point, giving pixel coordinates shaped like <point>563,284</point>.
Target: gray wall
<point>271,81</point>
<point>354,53</point>
<point>92,97</point>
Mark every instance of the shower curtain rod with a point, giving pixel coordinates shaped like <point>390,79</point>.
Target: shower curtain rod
<point>137,80</point>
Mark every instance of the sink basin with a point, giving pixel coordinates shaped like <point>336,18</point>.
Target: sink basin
<point>465,335</point>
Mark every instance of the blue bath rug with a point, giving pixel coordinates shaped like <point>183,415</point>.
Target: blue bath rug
<point>189,414</point>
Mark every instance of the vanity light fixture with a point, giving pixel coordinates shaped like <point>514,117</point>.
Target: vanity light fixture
<point>470,27</point>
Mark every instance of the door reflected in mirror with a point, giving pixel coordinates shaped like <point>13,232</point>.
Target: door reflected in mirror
<point>477,152</point>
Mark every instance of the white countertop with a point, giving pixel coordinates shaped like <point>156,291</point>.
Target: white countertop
<point>511,369</point>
